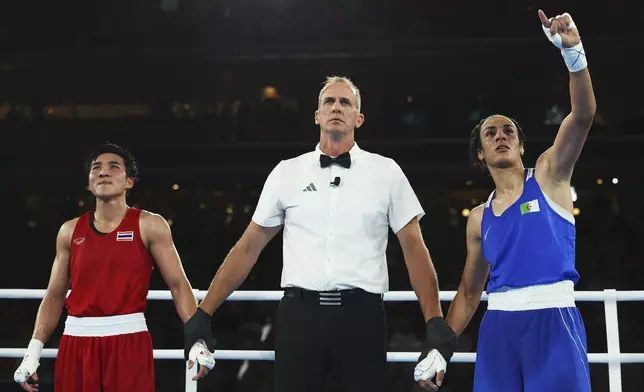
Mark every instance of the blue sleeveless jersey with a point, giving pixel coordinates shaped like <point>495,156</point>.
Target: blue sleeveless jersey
<point>531,243</point>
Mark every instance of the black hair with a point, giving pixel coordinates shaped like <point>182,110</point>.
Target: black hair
<point>476,145</point>
<point>131,166</point>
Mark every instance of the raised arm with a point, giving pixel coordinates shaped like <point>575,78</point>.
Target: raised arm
<point>562,156</point>
<point>475,274</point>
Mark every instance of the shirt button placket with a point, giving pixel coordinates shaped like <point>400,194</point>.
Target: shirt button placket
<point>333,197</point>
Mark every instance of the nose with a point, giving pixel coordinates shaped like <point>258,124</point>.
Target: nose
<point>103,173</point>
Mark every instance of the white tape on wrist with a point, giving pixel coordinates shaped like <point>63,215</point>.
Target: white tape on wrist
<point>575,57</point>
<point>30,362</point>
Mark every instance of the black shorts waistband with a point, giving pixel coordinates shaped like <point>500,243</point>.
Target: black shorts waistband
<point>332,298</point>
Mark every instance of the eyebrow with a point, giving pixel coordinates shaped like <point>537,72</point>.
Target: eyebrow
<point>96,163</point>
<point>341,98</point>
<point>494,126</point>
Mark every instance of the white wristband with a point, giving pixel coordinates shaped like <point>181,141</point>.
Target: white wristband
<point>30,362</point>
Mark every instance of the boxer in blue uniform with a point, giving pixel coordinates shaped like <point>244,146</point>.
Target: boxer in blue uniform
<point>532,337</point>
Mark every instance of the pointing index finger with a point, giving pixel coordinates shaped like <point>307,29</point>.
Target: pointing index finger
<point>544,18</point>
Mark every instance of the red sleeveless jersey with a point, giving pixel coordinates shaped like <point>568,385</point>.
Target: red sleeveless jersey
<point>110,272</point>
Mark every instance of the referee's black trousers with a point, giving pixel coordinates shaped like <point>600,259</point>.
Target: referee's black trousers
<point>336,338</point>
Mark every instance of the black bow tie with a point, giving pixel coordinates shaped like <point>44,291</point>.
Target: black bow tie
<point>343,160</point>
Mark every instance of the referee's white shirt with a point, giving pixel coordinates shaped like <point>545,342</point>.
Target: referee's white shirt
<point>336,237</point>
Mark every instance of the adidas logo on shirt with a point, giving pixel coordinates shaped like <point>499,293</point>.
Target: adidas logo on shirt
<point>310,188</point>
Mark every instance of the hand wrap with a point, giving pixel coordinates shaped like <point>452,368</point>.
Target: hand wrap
<point>574,57</point>
<point>195,329</point>
<point>30,362</point>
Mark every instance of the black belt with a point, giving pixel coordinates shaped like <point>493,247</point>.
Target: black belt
<point>331,298</point>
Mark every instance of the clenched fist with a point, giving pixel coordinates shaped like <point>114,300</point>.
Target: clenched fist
<point>563,26</point>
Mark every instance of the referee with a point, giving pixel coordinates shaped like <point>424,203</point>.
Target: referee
<point>336,205</point>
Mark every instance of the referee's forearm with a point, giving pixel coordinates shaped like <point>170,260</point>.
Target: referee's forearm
<point>229,277</point>
<point>424,281</point>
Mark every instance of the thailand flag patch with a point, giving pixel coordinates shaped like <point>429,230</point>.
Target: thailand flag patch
<point>125,236</point>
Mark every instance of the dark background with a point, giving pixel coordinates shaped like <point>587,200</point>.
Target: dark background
<point>211,94</point>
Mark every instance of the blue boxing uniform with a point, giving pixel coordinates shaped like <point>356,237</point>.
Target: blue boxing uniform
<point>532,337</point>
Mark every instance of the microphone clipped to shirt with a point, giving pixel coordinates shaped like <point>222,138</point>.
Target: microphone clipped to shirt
<point>343,160</point>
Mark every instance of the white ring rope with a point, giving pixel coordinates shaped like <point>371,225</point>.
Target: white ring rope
<point>276,295</point>
<point>267,355</point>
<point>614,358</point>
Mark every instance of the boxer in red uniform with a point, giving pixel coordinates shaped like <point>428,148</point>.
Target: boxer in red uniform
<point>107,257</point>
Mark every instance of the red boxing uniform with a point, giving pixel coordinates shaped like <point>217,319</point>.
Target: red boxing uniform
<point>106,346</point>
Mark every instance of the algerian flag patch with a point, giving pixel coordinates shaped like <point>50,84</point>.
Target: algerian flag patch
<point>530,206</point>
